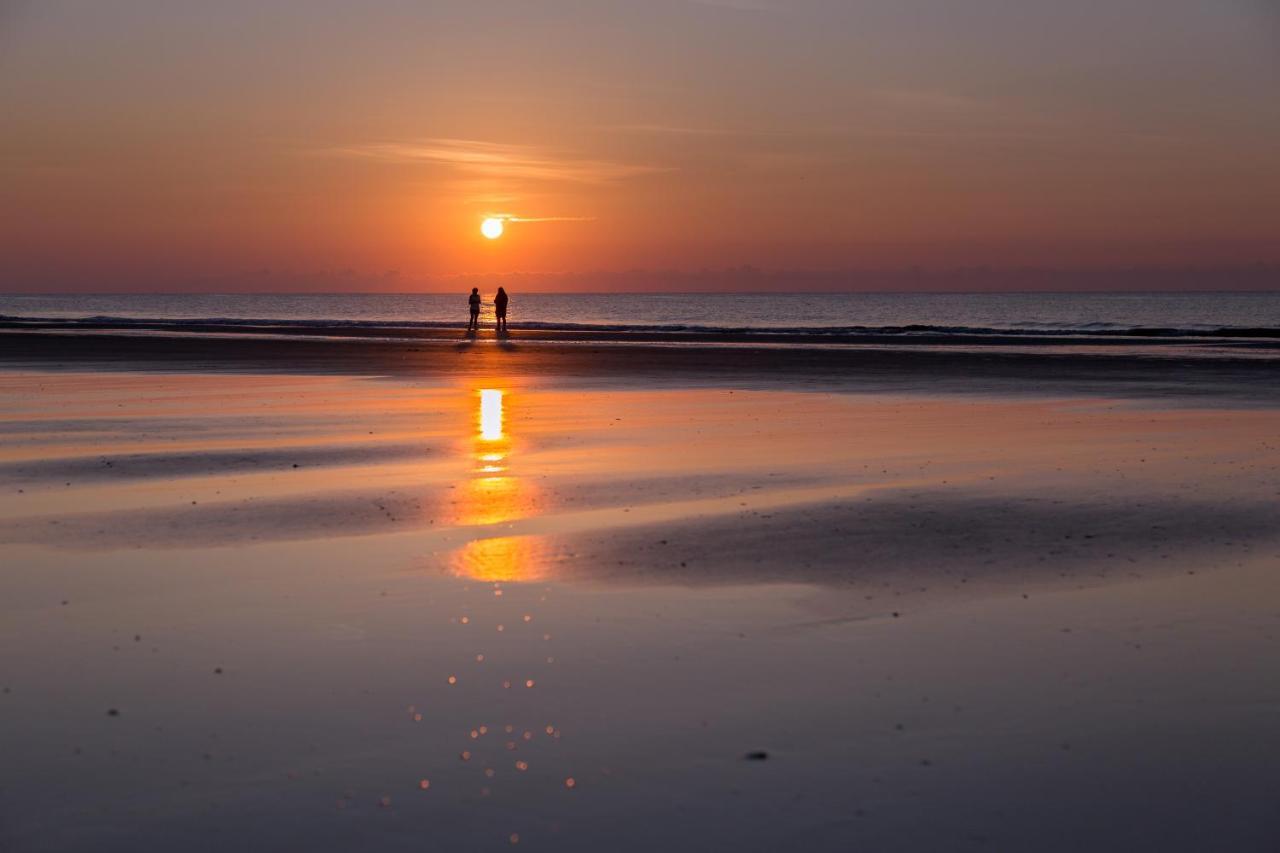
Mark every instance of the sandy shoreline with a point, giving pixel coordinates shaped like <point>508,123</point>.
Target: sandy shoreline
<point>1174,374</point>
<point>1262,337</point>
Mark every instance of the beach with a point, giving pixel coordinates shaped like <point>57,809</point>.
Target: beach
<point>344,594</point>
<point>707,425</point>
<point>1244,371</point>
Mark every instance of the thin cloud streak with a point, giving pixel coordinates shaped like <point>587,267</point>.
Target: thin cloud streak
<point>511,217</point>
<point>674,130</point>
<point>740,5</point>
<point>497,160</point>
<point>549,218</point>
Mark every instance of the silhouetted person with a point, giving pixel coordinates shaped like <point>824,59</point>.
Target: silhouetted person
<point>474,302</point>
<point>500,309</point>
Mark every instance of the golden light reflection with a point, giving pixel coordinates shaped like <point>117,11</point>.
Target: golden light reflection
<point>492,463</point>
<point>505,558</point>
<point>491,414</point>
<point>490,500</point>
<point>494,495</point>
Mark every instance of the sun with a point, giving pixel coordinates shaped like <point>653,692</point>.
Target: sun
<point>491,228</point>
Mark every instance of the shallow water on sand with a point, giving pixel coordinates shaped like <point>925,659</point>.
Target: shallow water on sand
<point>274,612</point>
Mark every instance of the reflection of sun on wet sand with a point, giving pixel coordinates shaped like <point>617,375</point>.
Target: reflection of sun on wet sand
<point>490,500</point>
<point>491,414</point>
<point>491,496</point>
<point>504,558</point>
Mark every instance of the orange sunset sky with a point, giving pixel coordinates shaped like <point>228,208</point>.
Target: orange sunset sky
<point>318,145</point>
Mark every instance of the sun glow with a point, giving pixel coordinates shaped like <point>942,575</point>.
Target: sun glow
<point>492,228</point>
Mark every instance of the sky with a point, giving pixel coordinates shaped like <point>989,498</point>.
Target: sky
<point>631,144</point>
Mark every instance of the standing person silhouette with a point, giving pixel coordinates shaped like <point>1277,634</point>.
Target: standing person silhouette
<point>500,310</point>
<point>474,302</point>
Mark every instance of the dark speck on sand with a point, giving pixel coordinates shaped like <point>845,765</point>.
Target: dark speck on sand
<point>757,755</point>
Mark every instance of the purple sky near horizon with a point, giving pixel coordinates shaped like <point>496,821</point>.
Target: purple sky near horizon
<point>290,145</point>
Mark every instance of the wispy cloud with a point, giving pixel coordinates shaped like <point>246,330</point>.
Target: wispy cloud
<point>947,115</point>
<point>513,217</point>
<point>667,130</point>
<point>741,5</point>
<point>546,218</point>
<point>933,101</point>
<point>477,158</point>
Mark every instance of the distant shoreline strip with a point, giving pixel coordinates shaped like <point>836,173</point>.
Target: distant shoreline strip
<point>915,333</point>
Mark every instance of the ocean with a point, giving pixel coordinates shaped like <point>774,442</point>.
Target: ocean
<point>1206,317</point>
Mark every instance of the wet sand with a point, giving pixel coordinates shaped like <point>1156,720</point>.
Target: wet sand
<point>261,608</point>
<point>1248,373</point>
